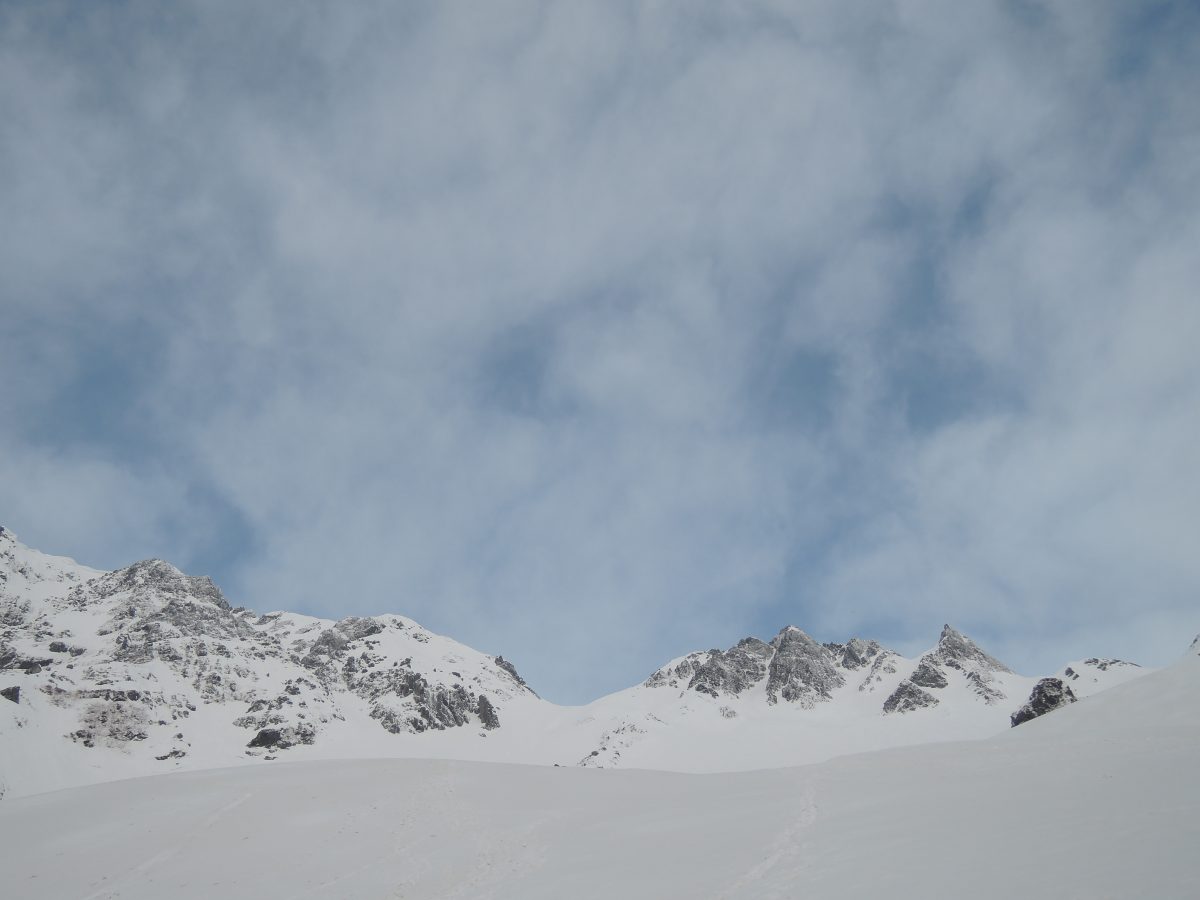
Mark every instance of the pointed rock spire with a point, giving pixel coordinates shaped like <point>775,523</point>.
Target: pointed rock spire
<point>958,651</point>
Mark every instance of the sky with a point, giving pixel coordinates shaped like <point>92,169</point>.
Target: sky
<point>595,333</point>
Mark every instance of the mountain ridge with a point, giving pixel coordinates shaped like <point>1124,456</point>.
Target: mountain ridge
<point>146,668</point>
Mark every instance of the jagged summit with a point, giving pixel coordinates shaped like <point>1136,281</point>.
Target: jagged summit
<point>956,660</point>
<point>158,577</point>
<point>954,646</point>
<point>801,670</point>
<point>796,669</point>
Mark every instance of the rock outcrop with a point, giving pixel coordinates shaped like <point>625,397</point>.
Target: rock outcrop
<point>908,698</point>
<point>736,670</point>
<point>955,652</point>
<point>801,671</point>
<point>855,654</point>
<point>1048,695</point>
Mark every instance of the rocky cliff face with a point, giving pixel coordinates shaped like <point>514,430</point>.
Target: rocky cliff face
<point>855,654</point>
<point>736,670</point>
<point>802,671</point>
<point>795,669</point>
<point>792,668</point>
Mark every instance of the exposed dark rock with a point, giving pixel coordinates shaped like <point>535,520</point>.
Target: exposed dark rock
<point>883,664</point>
<point>801,671</point>
<point>982,685</point>
<point>738,668</point>
<point>1048,694</point>
<point>958,651</point>
<point>331,644</point>
<point>58,647</point>
<point>11,693</point>
<point>11,659</point>
<point>113,724</point>
<point>13,612</point>
<point>282,738</point>
<point>679,673</point>
<point>487,713</point>
<point>110,695</point>
<point>512,671</point>
<point>908,698</point>
<point>267,737</point>
<point>1102,664</point>
<point>928,675</point>
<point>428,707</point>
<point>355,627</point>
<point>855,653</point>
<point>160,577</point>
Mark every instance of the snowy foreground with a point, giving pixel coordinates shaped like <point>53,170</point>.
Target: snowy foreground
<point>1099,799</point>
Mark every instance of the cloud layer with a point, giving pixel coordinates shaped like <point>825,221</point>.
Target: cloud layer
<point>594,333</point>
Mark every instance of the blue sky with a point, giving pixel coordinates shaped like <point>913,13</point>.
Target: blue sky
<point>595,333</point>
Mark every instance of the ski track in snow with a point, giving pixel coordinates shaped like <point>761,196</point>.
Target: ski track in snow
<point>788,852</point>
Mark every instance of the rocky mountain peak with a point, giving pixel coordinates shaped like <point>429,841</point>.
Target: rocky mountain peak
<point>957,650</point>
<point>159,578</point>
<point>802,670</point>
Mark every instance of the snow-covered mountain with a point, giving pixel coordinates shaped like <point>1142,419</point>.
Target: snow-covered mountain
<point>1101,799</point>
<point>145,670</point>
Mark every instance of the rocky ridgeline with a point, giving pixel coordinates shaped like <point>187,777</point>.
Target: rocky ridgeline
<point>792,667</point>
<point>148,646</point>
<point>155,664</point>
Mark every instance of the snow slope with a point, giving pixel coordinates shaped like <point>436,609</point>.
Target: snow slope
<point>1100,799</point>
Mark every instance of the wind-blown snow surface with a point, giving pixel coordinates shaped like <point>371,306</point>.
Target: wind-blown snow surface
<point>1098,799</point>
<point>147,670</point>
